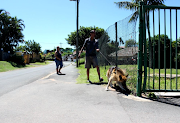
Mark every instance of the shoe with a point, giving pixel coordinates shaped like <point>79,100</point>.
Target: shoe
<point>101,79</point>
<point>89,81</point>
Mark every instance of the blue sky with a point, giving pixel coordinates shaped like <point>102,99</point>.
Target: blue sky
<point>49,22</point>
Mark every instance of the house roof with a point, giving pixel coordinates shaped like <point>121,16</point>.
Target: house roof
<point>129,51</point>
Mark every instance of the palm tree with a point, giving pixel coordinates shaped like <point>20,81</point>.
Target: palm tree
<point>10,31</point>
<point>133,5</point>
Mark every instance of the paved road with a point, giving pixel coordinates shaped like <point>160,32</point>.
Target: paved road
<point>14,79</point>
<point>58,99</point>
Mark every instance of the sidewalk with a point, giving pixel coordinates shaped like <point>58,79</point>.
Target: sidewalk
<point>58,99</point>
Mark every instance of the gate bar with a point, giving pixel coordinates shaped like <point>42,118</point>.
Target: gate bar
<point>159,56</point>
<point>170,51</point>
<point>176,52</point>
<point>153,50</point>
<point>165,47</point>
<point>116,41</point>
<point>140,50</point>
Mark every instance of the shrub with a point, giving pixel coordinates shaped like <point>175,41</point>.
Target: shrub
<point>16,61</point>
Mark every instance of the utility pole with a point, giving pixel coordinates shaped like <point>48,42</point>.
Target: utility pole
<point>77,52</point>
<point>1,49</point>
<point>77,34</point>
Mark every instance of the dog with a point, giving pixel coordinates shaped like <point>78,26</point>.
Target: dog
<point>117,75</point>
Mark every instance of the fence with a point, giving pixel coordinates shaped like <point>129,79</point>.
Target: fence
<point>158,56</point>
<point>118,47</point>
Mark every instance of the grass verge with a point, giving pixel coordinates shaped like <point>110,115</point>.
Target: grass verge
<point>130,69</point>
<point>152,82</point>
<point>82,79</point>
<point>7,66</point>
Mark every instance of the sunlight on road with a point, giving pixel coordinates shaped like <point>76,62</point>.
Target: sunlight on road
<point>136,98</point>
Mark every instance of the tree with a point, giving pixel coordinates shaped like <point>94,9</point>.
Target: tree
<point>84,32</point>
<point>155,52</point>
<point>178,50</point>
<point>133,5</point>
<point>130,43</point>
<point>11,31</point>
<point>30,46</point>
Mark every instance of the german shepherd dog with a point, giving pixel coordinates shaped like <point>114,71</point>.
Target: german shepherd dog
<point>117,75</point>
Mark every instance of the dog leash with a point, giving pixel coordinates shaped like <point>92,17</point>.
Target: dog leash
<point>106,58</point>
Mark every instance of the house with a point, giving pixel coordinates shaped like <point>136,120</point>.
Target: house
<point>126,56</point>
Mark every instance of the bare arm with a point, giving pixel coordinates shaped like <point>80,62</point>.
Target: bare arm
<point>82,49</point>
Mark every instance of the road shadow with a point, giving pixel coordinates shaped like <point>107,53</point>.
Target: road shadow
<point>121,91</point>
<point>61,74</point>
<point>169,100</point>
<point>98,83</point>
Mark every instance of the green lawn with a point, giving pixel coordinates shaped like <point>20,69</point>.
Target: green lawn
<point>132,78</point>
<point>93,75</point>
<point>7,66</point>
<point>130,69</point>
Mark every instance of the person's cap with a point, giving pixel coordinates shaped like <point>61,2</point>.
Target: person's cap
<point>92,31</point>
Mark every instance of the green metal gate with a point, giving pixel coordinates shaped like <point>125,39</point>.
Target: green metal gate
<point>158,54</point>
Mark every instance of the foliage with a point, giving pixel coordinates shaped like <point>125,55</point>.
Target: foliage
<point>152,95</point>
<point>5,66</point>
<point>133,5</point>
<point>130,43</point>
<point>83,54</point>
<point>84,32</point>
<point>16,61</point>
<point>66,51</point>
<point>156,42</point>
<point>29,46</point>
<point>178,49</point>
<point>111,47</point>
<point>50,55</point>
<point>82,61</point>
<point>32,46</point>
<point>11,31</point>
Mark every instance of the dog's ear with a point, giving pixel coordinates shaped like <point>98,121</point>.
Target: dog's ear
<point>127,75</point>
<point>120,77</point>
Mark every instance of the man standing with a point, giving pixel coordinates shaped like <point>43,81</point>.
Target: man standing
<point>91,45</point>
<point>58,60</point>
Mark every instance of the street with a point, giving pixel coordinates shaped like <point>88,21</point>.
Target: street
<point>52,98</point>
<point>12,80</point>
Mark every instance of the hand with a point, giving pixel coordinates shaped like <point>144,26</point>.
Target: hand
<point>79,55</point>
<point>97,50</point>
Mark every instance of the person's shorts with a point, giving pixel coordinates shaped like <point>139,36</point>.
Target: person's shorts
<point>59,63</point>
<point>91,60</point>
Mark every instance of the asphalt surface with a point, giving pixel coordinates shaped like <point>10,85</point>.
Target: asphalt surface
<point>58,99</point>
<point>12,80</point>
